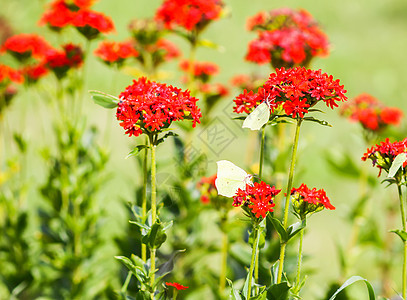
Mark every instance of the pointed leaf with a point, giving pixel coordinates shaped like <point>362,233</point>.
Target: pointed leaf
<point>246,292</point>
<point>402,234</point>
<point>235,294</point>
<point>296,228</point>
<point>322,122</point>
<point>159,141</point>
<point>397,164</point>
<point>278,291</point>
<point>279,228</point>
<point>103,99</point>
<point>136,150</point>
<point>352,280</point>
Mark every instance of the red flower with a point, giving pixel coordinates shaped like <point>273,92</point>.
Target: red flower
<point>202,70</point>
<point>286,38</point>
<point>91,23</point>
<point>115,52</point>
<point>371,113</point>
<point>33,73</point>
<point>8,74</point>
<point>295,90</point>
<point>257,199</point>
<point>176,285</point>
<point>190,14</point>
<point>57,16</point>
<point>26,45</point>
<point>147,106</point>
<point>61,61</point>
<point>162,51</point>
<point>207,188</point>
<point>306,201</point>
<point>248,82</point>
<point>383,155</point>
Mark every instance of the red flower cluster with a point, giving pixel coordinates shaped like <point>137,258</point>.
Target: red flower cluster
<point>61,61</point>
<point>383,155</point>
<point>202,70</point>
<point>24,46</point>
<point>371,113</point>
<point>207,188</point>
<point>33,73</point>
<point>176,285</point>
<point>295,91</point>
<point>147,106</point>
<point>190,14</point>
<point>216,89</point>
<point>115,52</point>
<point>8,74</point>
<point>162,51</point>
<point>246,82</point>
<point>257,199</point>
<point>89,23</point>
<point>286,38</point>
<point>306,201</point>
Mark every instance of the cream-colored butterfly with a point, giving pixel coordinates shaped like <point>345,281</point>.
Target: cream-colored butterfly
<point>230,178</point>
<point>258,117</point>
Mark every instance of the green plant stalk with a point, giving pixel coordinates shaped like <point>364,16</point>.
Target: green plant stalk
<point>224,253</point>
<point>298,277</point>
<point>123,291</point>
<point>153,209</point>
<point>263,136</point>
<point>252,261</point>
<point>287,199</point>
<point>174,297</point>
<point>191,60</point>
<point>403,221</point>
<point>144,200</point>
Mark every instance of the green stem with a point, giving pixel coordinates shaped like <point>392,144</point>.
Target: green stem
<point>297,280</point>
<point>403,222</point>
<point>153,208</point>
<point>191,76</point>
<point>123,291</point>
<point>287,199</point>
<point>144,201</point>
<point>224,253</point>
<point>175,294</point>
<point>263,135</point>
<point>252,261</point>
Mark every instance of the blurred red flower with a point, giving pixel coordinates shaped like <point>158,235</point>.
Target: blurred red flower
<point>371,113</point>
<point>147,106</point>
<point>8,74</point>
<point>201,70</point>
<point>115,52</point>
<point>60,61</point>
<point>176,285</point>
<point>24,46</point>
<point>91,23</point>
<point>189,14</point>
<point>57,16</point>
<point>33,73</point>
<point>258,199</point>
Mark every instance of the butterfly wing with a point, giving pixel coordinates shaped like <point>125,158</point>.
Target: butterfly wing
<point>228,187</point>
<point>258,117</point>
<point>229,178</point>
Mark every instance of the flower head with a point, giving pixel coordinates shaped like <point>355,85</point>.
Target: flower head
<point>307,201</point>
<point>57,16</point>
<point>60,61</point>
<point>201,70</point>
<point>91,23</point>
<point>371,113</point>
<point>383,155</point>
<point>256,199</point>
<point>246,82</point>
<point>161,51</point>
<point>146,31</point>
<point>176,285</point>
<point>189,14</point>
<point>148,107</point>
<point>294,91</point>
<point>23,46</point>
<point>207,188</point>
<point>33,73</point>
<point>8,75</point>
<point>286,38</point>
<point>115,52</point>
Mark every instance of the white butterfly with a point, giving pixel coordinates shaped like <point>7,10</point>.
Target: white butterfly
<point>258,117</point>
<point>230,178</point>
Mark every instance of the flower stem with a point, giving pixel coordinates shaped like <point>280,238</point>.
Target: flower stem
<point>153,209</point>
<point>144,201</point>
<point>175,294</point>
<point>192,54</point>
<point>224,253</point>
<point>123,291</point>
<point>297,280</point>
<point>252,261</point>
<point>403,222</point>
<point>263,135</point>
<point>287,199</point>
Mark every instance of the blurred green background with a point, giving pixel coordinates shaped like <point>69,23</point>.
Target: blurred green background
<point>368,54</point>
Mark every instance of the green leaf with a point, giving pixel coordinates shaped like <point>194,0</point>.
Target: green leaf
<point>103,99</point>
<point>166,268</point>
<point>137,261</point>
<point>159,141</point>
<point>397,164</point>
<point>262,295</point>
<point>136,150</point>
<point>21,142</point>
<point>143,295</point>
<point>402,234</point>
<point>274,272</point>
<point>295,228</point>
<point>127,263</point>
<point>284,237</point>
<point>322,122</point>
<point>246,292</point>
<point>262,240</point>
<point>352,280</point>
<point>235,294</point>
<point>156,236</point>
<point>278,291</point>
